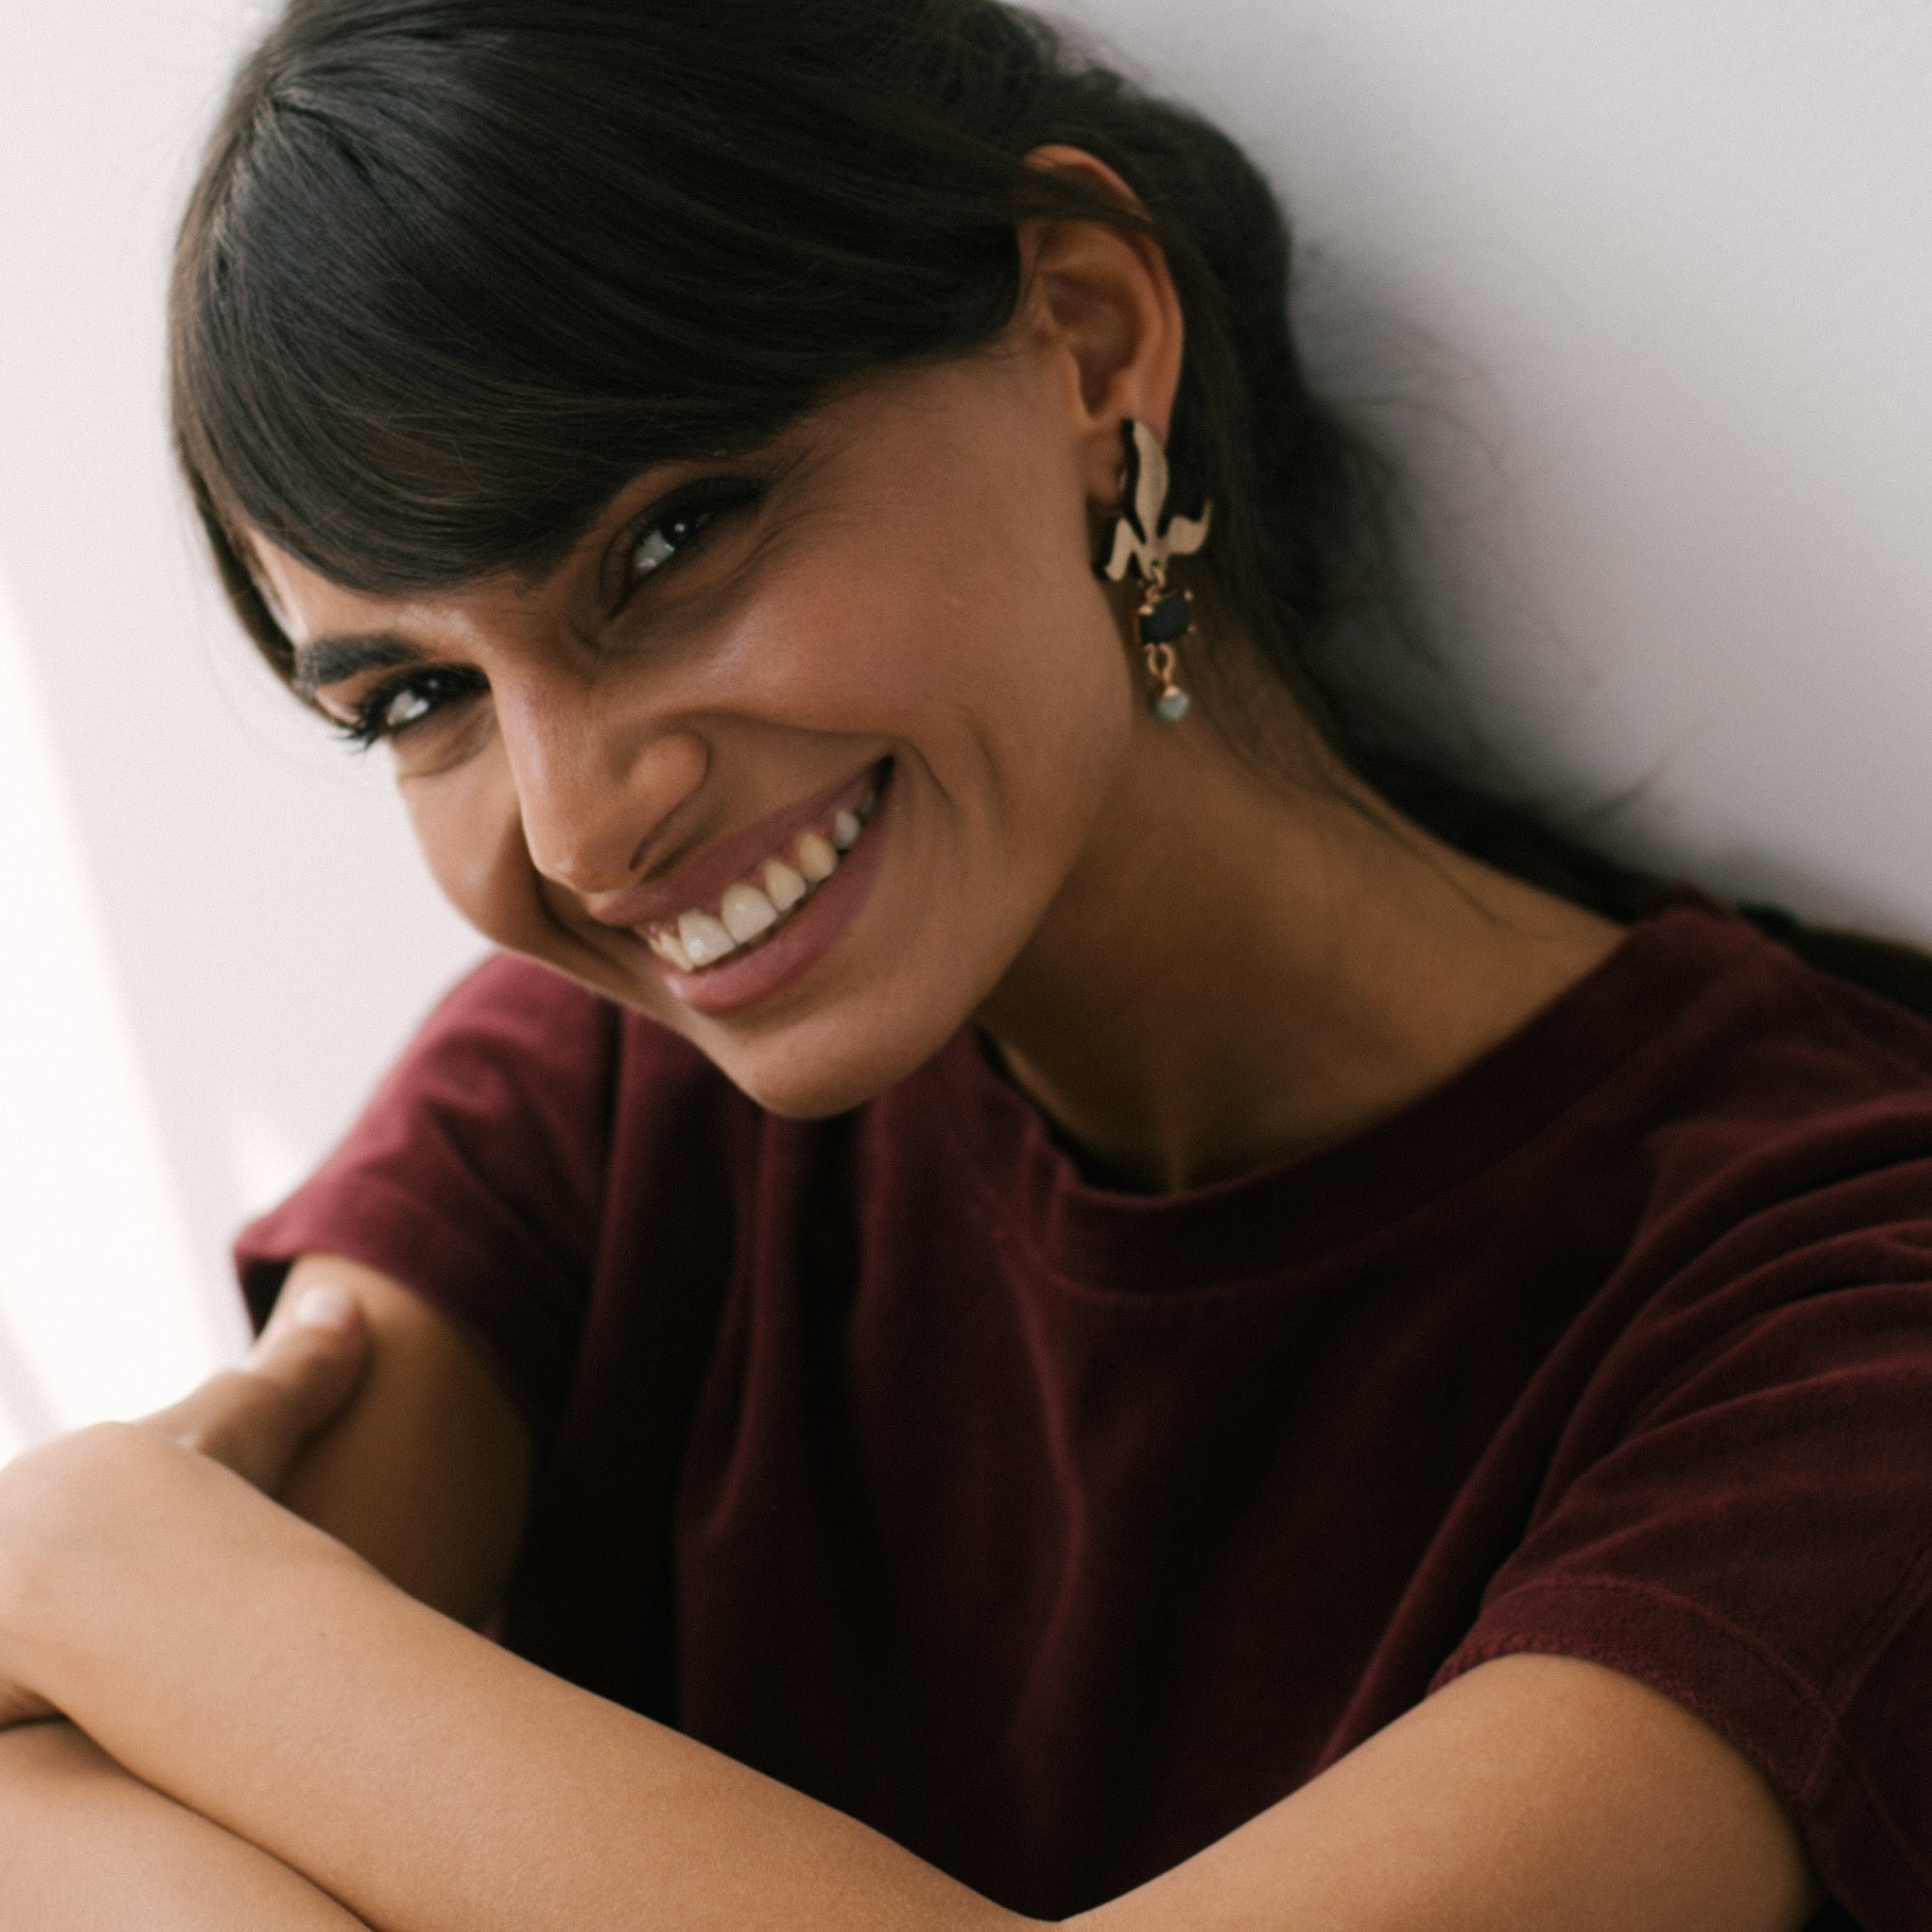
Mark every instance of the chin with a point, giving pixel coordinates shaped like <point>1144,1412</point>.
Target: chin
<point>813,1087</point>
<point>829,1063</point>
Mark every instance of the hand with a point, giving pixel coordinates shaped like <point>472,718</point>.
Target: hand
<point>251,1420</point>
<point>301,1374</point>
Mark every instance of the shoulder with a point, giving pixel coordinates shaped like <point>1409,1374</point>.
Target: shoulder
<point>1730,1499</point>
<point>1770,1140</point>
<point>1742,1144</point>
<point>509,1105</point>
<point>481,1174</point>
<point>1763,1056</point>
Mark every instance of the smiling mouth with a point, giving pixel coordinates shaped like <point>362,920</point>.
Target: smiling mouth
<point>759,903</point>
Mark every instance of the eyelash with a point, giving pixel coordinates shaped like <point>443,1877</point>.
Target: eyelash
<point>437,686</point>
<point>694,514</point>
<point>442,685</point>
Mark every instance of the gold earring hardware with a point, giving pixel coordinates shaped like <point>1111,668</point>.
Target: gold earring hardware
<point>1163,619</point>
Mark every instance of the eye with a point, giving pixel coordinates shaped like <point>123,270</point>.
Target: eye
<point>404,702</point>
<point>405,708</point>
<point>662,542</point>
<point>667,538</point>
<point>673,528</point>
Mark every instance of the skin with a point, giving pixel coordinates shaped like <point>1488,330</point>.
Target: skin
<point>920,586</point>
<point>915,584</point>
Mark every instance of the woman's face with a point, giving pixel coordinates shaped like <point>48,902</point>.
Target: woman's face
<point>792,754</point>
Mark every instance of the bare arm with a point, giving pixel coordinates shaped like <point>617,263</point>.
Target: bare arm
<point>406,1765</point>
<point>1536,1792</point>
<point>426,1472</point>
<point>433,1783</point>
<point>88,1847</point>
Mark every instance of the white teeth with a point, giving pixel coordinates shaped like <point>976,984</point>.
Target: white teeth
<point>670,950</point>
<point>783,887</point>
<point>816,858</point>
<point>747,912</point>
<point>705,940</point>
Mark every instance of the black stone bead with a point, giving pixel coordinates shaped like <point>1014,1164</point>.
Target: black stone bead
<point>1169,620</point>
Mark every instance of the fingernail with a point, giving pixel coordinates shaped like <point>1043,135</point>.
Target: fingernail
<point>325,1306</point>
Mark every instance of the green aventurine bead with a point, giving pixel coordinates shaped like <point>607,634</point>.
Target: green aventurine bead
<point>1172,706</point>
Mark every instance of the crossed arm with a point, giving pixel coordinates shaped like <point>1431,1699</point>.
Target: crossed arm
<point>269,1730</point>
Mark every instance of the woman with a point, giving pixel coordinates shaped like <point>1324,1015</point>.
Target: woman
<point>1046,1285</point>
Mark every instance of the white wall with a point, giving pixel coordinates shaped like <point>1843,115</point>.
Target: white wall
<point>265,926</point>
<point>1639,289</point>
<point>75,1118</point>
<point>1642,287</point>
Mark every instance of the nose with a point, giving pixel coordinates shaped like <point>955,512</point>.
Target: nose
<point>595,780</point>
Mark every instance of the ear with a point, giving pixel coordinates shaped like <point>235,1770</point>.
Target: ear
<point>1102,308</point>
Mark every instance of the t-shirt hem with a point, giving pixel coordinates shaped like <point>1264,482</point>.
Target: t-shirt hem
<point>1745,1694</point>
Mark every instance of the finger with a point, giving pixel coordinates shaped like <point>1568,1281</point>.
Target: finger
<point>301,1374</point>
<point>313,1353</point>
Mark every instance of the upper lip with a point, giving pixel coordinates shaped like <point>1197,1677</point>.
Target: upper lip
<point>701,879</point>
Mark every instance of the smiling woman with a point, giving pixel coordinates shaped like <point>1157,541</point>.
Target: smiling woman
<point>1048,1283</point>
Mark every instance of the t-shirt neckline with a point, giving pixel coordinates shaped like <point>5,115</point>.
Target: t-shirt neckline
<point>1304,1209</point>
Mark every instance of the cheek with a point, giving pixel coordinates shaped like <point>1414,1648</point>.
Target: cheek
<point>1032,655</point>
<point>995,674</point>
<point>1005,660</point>
<point>965,626</point>
<point>469,828</point>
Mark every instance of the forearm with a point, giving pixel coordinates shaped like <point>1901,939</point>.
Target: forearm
<point>262,1675</point>
<point>88,1846</point>
<point>278,1687</point>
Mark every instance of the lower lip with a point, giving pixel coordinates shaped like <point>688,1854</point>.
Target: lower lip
<point>735,984</point>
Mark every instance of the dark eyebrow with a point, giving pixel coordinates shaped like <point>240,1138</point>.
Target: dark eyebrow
<point>332,660</point>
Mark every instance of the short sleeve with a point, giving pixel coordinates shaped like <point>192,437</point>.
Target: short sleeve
<point>1757,1545</point>
<point>476,1175</point>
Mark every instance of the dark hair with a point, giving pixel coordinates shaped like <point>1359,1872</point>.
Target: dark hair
<point>457,270</point>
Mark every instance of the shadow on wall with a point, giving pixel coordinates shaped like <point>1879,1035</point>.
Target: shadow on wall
<point>1674,680</point>
<point>1635,297</point>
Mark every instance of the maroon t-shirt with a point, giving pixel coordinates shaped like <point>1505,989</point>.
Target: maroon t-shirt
<point>1055,1532</point>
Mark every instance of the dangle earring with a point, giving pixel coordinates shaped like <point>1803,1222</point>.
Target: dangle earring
<point>1140,539</point>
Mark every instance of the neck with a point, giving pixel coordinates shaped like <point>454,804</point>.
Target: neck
<point>1240,970</point>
